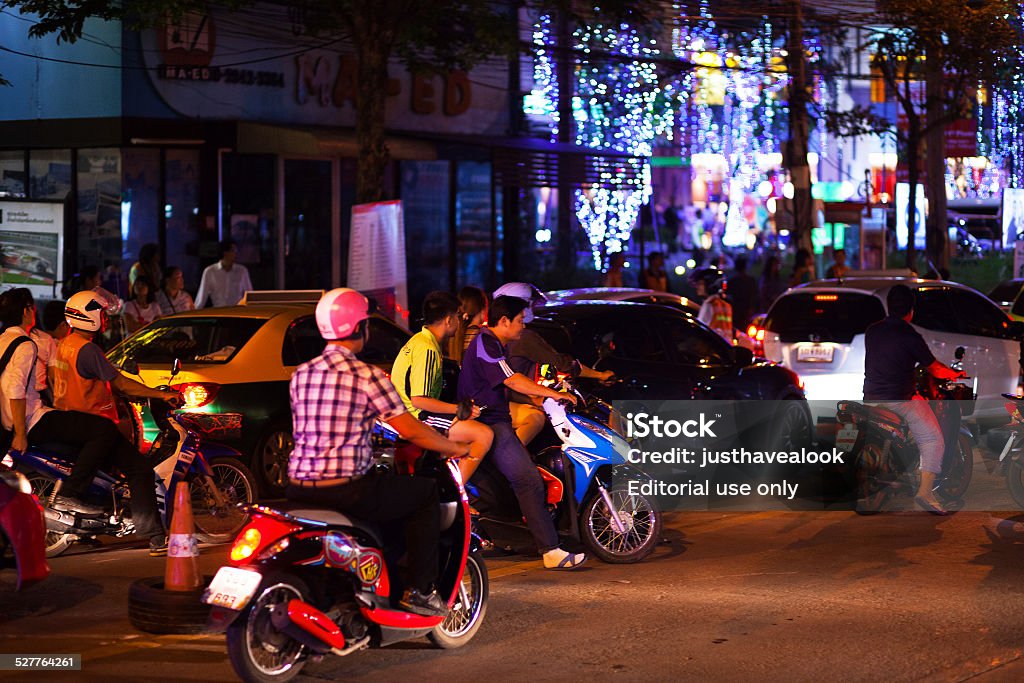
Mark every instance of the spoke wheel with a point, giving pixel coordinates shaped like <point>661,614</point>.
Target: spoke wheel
<point>221,523</point>
<point>56,541</point>
<point>467,614</point>
<point>641,521</point>
<point>258,651</point>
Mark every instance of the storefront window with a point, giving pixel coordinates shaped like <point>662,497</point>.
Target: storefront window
<point>181,213</point>
<point>425,201</point>
<point>139,203</point>
<point>307,208</point>
<point>99,207</point>
<point>473,218</point>
<point>50,171</point>
<point>249,192</point>
<point>12,174</point>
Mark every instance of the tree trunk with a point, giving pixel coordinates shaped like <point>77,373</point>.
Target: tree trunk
<point>565,249</point>
<point>371,103</point>
<point>913,176</point>
<point>937,234</point>
<point>797,145</point>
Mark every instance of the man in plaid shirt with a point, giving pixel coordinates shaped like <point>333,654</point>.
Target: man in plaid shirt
<point>335,400</point>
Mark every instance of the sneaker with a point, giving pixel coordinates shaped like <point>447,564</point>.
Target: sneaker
<point>425,604</point>
<point>158,546</point>
<point>75,505</point>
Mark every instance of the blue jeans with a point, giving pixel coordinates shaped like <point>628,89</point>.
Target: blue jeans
<point>513,461</point>
<point>925,429</point>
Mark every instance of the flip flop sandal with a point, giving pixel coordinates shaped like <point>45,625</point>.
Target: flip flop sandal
<point>928,506</point>
<point>569,562</point>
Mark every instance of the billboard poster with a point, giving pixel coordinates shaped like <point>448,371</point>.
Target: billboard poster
<point>902,207</point>
<point>32,246</point>
<point>376,257</point>
<point>1013,216</point>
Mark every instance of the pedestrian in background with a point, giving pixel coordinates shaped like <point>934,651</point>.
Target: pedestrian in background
<point>472,316</point>
<point>141,309</point>
<point>225,282</point>
<point>147,266</point>
<point>654,276</point>
<point>803,268</point>
<point>172,297</point>
<point>772,284</point>
<point>742,294</point>
<point>54,327</point>
<point>838,269</point>
<point>88,277</point>
<point>613,276</point>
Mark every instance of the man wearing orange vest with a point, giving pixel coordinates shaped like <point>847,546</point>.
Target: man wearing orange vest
<point>716,311</point>
<point>81,378</point>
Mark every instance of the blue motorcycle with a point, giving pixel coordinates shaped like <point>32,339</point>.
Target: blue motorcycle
<point>218,482</point>
<point>588,483</point>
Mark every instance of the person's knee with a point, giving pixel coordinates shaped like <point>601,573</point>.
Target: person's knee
<point>473,432</point>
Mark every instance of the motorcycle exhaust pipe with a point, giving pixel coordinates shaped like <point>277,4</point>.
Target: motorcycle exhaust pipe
<point>308,625</point>
<point>59,521</point>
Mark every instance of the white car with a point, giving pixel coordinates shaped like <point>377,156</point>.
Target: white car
<point>817,330</point>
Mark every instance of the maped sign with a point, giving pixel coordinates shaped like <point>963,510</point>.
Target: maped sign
<point>32,246</point>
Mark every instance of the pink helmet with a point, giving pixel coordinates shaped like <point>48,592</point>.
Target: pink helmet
<point>340,311</point>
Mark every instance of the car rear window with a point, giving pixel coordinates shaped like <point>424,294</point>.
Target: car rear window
<point>823,316</point>
<point>1005,291</point>
<point>191,340</point>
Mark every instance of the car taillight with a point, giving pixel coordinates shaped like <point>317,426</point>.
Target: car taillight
<point>197,394</point>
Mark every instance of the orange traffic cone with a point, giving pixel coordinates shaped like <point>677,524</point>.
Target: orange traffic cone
<point>182,549</point>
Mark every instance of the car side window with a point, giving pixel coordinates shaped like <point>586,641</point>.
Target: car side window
<point>629,340</point>
<point>978,315</point>
<point>933,310</point>
<point>694,345</point>
<point>386,340</point>
<point>302,342</point>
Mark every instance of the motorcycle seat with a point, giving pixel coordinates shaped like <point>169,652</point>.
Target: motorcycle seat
<point>874,414</point>
<point>305,513</point>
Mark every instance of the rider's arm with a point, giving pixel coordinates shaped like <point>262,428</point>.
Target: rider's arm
<point>942,371</point>
<point>13,384</point>
<point>129,387</point>
<point>20,442</point>
<point>523,384</point>
<point>423,374</point>
<point>433,405</point>
<point>425,437</point>
<point>92,364</point>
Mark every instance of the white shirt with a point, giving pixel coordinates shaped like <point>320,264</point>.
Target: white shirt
<point>19,380</point>
<point>47,347</point>
<point>224,287</point>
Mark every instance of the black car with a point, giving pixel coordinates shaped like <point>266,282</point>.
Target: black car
<point>660,353</point>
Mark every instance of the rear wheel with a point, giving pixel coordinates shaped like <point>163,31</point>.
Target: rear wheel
<point>271,456</point>
<point>641,522</point>
<point>467,614</point>
<point>257,650</point>
<point>871,493</point>
<point>42,486</point>
<point>216,521</point>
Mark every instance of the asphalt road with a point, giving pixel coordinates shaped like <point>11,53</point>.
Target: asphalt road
<point>778,596</point>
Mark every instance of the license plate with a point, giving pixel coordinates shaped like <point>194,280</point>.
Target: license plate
<point>815,354</point>
<point>232,588</point>
<point>846,439</point>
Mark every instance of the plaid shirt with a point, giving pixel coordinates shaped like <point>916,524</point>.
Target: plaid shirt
<point>335,400</point>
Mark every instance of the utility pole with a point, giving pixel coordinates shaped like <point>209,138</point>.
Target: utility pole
<point>796,146</point>
<point>935,157</point>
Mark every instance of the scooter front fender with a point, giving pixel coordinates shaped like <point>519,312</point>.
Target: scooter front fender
<point>21,518</point>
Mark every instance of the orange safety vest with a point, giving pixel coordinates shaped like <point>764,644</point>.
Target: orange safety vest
<point>71,391</point>
<point>721,317</point>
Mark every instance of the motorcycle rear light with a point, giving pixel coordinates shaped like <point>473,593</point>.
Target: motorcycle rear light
<point>246,544</point>
<point>197,394</point>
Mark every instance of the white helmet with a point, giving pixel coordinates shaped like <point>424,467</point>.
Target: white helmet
<point>84,311</point>
<point>340,311</point>
<point>524,291</point>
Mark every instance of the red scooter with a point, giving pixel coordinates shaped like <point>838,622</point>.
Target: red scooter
<point>307,582</point>
<point>22,529</point>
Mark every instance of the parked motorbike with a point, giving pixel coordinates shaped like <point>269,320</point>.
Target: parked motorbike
<point>1008,442</point>
<point>307,582</point>
<point>218,482</point>
<point>886,459</point>
<point>21,529</point>
<point>586,478</point>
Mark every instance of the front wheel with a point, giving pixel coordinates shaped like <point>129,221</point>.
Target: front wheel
<point>467,614</point>
<point>641,521</point>
<point>257,650</point>
<point>958,475</point>
<point>219,518</point>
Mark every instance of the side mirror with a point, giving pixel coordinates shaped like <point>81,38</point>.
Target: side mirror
<point>175,367</point>
<point>743,356</point>
<point>959,353</point>
<point>131,366</point>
